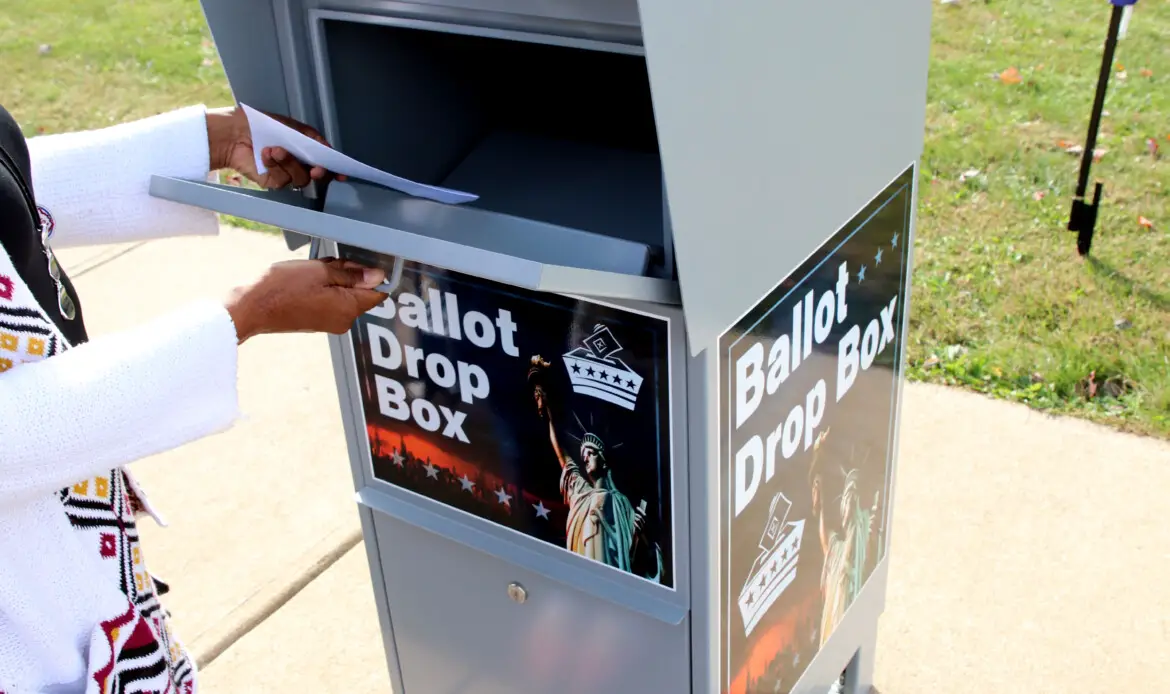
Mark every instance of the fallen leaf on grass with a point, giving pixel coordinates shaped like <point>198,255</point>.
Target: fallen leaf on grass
<point>1099,153</point>
<point>1145,222</point>
<point>1039,195</point>
<point>1146,72</point>
<point>1122,75</point>
<point>1152,146</point>
<point>968,175</point>
<point>1115,387</point>
<point>1010,76</point>
<point>1088,387</point>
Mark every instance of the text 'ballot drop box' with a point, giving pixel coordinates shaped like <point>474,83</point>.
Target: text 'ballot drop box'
<point>628,421</point>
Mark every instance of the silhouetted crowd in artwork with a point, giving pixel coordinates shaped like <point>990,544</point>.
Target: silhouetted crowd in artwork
<point>789,663</point>
<point>480,496</point>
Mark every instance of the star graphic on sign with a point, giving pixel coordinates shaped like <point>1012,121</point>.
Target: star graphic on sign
<point>397,458</point>
<point>541,511</point>
<point>617,379</point>
<point>590,371</point>
<point>877,258</point>
<point>629,383</point>
<point>503,496</point>
<point>432,471</point>
<point>894,241</point>
<point>861,275</point>
<point>467,484</point>
<point>576,368</point>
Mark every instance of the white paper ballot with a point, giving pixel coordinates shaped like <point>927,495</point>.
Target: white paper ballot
<point>269,132</point>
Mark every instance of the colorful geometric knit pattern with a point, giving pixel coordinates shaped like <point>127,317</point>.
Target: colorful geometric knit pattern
<point>24,334</point>
<point>139,654</point>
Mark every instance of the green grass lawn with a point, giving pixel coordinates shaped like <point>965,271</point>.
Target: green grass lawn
<point>1002,303</point>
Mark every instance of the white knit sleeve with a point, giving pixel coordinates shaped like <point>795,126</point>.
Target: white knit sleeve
<point>96,183</point>
<point>116,399</point>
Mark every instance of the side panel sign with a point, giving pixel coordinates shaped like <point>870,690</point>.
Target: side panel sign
<point>808,385</point>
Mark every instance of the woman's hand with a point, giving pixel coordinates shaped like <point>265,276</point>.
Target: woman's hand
<point>306,296</point>
<point>230,140</point>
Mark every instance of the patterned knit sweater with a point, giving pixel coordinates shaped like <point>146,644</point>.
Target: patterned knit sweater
<point>78,609</point>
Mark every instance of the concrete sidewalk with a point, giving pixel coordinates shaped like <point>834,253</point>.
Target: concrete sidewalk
<point>1028,553</point>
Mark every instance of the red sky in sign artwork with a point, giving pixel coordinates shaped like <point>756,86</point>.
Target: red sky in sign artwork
<point>422,448</point>
<point>767,646</point>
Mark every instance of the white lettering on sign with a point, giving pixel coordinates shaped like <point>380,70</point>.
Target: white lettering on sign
<point>445,320</point>
<point>399,391</point>
<point>762,368</point>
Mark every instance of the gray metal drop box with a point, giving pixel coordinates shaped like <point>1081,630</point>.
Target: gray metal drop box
<point>606,439</point>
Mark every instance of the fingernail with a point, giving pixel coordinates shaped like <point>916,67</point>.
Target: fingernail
<point>372,277</point>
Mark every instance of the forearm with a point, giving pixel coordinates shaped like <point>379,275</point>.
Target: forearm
<point>96,184</point>
<point>552,436</point>
<point>821,532</point>
<point>116,399</point>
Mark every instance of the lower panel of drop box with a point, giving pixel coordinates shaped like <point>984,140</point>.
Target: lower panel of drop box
<point>458,631</point>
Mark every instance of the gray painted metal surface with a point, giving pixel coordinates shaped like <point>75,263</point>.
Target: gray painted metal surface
<point>743,136</point>
<point>778,121</point>
<point>432,242</point>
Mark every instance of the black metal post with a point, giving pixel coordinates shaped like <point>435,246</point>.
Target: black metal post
<point>1083,218</point>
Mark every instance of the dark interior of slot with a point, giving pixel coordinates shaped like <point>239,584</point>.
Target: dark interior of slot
<point>558,134</point>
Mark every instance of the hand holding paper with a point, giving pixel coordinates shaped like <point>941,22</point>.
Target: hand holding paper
<point>269,132</point>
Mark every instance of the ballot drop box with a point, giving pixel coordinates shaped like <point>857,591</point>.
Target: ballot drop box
<point>628,420</point>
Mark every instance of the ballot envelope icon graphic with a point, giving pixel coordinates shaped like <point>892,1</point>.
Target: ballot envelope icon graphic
<point>775,567</point>
<point>595,371</point>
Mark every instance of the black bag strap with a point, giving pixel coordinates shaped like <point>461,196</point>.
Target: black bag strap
<point>9,162</point>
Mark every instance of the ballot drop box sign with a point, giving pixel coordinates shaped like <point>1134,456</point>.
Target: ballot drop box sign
<point>808,397</point>
<point>541,413</point>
